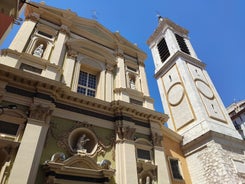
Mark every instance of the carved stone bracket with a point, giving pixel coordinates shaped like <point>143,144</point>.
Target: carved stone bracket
<point>124,132</point>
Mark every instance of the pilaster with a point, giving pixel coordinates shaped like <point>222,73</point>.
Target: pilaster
<point>120,75</point>
<point>125,154</point>
<point>26,163</point>
<point>160,157</point>
<point>101,85</point>
<point>59,46</point>
<point>68,67</point>
<point>109,84</point>
<point>144,84</point>
<point>24,33</point>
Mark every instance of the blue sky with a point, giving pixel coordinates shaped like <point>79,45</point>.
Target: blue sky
<point>217,29</point>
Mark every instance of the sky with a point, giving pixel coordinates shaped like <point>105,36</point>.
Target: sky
<point>216,31</point>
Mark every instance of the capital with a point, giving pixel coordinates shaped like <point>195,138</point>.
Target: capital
<point>40,112</point>
<point>72,54</point>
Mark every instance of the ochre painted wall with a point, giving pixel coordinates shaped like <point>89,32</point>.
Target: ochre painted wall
<point>173,150</point>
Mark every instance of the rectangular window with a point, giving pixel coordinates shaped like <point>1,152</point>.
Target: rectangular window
<point>163,50</point>
<point>143,154</point>
<point>87,84</point>
<point>182,44</point>
<point>31,69</point>
<point>137,102</point>
<point>174,163</point>
<point>8,128</point>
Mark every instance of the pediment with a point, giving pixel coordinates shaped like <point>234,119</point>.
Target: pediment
<point>91,49</point>
<point>80,167</point>
<point>86,28</point>
<point>79,161</point>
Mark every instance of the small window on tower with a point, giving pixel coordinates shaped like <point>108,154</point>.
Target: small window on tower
<point>182,44</point>
<point>163,50</point>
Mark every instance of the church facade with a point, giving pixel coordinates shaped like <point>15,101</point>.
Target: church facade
<point>75,108</point>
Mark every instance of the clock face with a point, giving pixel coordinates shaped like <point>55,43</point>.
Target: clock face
<point>175,94</point>
<point>204,89</point>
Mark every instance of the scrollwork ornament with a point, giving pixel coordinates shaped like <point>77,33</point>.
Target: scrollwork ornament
<point>85,130</point>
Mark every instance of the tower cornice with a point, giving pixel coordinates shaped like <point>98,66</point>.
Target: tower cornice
<point>163,25</point>
<point>172,59</point>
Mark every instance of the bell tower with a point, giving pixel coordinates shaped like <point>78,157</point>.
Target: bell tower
<point>210,144</point>
<point>187,92</point>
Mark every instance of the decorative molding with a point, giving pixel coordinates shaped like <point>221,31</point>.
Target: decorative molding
<point>77,167</point>
<point>67,140</point>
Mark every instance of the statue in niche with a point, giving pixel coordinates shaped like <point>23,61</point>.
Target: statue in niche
<point>81,143</point>
<point>38,52</point>
<point>132,84</point>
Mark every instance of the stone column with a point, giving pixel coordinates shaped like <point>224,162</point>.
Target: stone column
<point>68,67</point>
<point>109,84</point>
<point>160,158</point>
<point>24,33</point>
<point>126,169</point>
<point>27,160</point>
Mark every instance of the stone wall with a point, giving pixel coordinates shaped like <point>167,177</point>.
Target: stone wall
<point>212,161</point>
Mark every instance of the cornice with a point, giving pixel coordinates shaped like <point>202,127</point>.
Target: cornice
<point>171,134</point>
<point>140,112</point>
<point>172,59</point>
<point>162,26</point>
<point>25,57</point>
<point>59,93</point>
<point>201,142</point>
